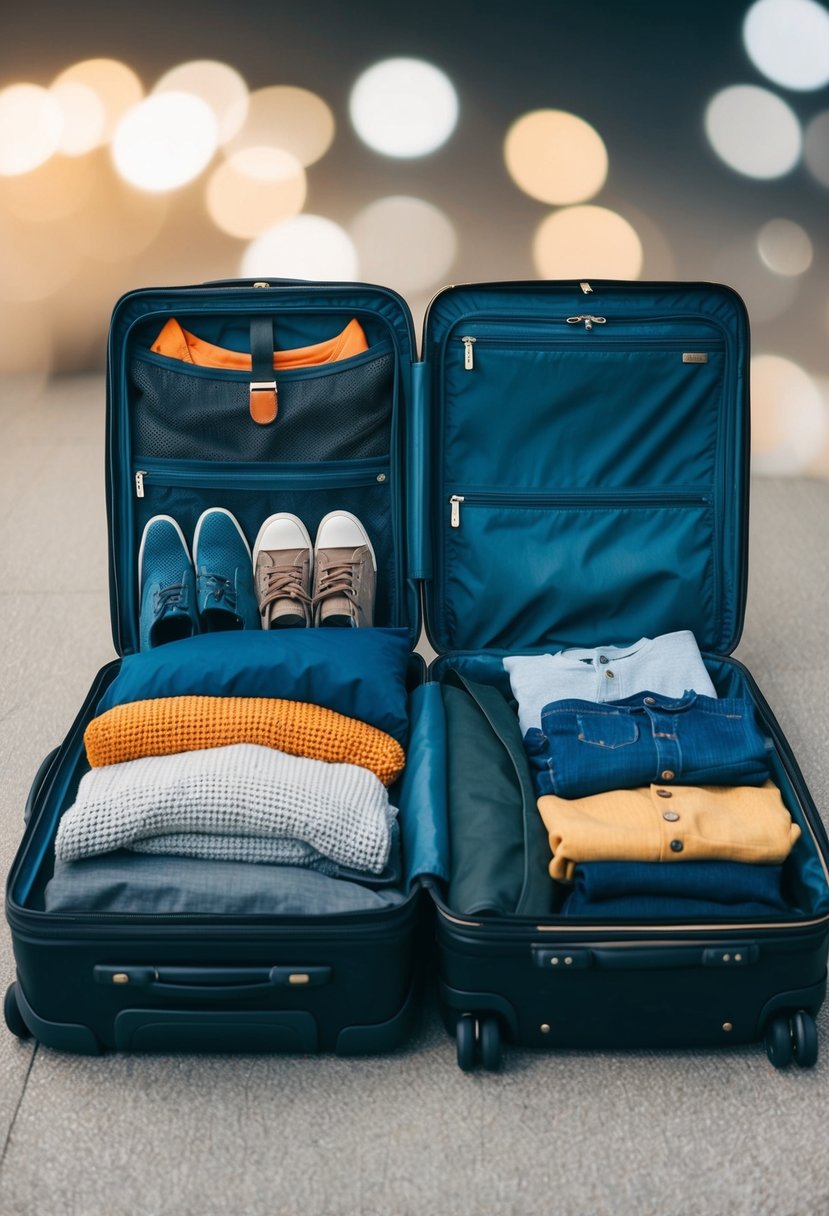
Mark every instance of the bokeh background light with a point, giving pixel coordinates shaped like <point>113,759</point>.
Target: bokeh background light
<point>587,242</point>
<point>555,157</point>
<point>254,189</point>
<point>788,40</point>
<point>294,120</point>
<point>406,241</point>
<point>754,131</point>
<point>308,247</point>
<point>404,107</point>
<point>165,141</point>
<point>413,148</point>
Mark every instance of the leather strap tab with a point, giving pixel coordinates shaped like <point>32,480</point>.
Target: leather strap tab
<point>263,394</point>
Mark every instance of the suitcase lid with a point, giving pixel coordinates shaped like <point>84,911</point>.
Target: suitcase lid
<point>589,464</point>
<point>303,313</point>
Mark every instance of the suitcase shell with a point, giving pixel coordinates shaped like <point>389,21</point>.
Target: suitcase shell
<point>590,448</point>
<point>346,982</point>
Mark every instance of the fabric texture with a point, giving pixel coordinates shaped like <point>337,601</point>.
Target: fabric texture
<point>169,725</point>
<point>238,803</point>
<point>358,672</point>
<point>125,882</point>
<point>496,840</point>
<point>670,664</point>
<point>584,748</point>
<point>715,823</point>
<point>664,907</point>
<point>178,343</point>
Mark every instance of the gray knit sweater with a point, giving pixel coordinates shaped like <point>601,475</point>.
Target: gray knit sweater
<point>237,803</point>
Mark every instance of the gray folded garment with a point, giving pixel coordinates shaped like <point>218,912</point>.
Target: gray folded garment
<point>125,882</point>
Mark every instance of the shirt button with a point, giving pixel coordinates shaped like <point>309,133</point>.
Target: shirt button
<point>664,793</point>
<point>668,775</point>
<point>677,846</point>
<point>671,816</point>
<point>603,658</point>
<point>650,700</point>
<point>609,674</point>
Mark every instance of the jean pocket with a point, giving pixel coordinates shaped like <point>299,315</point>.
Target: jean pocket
<point>611,730</point>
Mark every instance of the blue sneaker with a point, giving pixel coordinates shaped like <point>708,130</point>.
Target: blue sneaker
<point>224,573</point>
<point>166,585</point>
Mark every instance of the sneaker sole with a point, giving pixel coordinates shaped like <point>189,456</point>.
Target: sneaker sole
<point>293,519</point>
<point>354,520</point>
<point>155,519</point>
<point>217,511</point>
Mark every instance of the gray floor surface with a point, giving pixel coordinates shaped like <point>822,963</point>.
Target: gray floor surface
<point>577,1132</point>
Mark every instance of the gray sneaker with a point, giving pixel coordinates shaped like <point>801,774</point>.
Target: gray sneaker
<point>282,564</point>
<point>345,573</point>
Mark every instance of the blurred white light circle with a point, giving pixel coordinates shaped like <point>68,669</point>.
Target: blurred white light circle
<point>785,247</point>
<point>83,117</point>
<point>255,189</point>
<point>587,242</point>
<point>307,247</point>
<point>281,116</point>
<point>405,242</point>
<point>788,40</point>
<point>816,147</point>
<point>218,84</point>
<point>753,131</point>
<point>404,107</point>
<point>555,157</point>
<point>114,84</point>
<point>31,125</point>
<point>788,416</point>
<point>165,141</point>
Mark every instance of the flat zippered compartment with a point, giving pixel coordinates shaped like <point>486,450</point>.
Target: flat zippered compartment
<point>589,464</point>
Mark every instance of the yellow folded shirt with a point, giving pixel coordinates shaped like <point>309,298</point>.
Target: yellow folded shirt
<point>685,823</point>
<point>165,725</point>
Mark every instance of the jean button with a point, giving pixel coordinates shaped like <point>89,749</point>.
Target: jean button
<point>668,775</point>
<point>650,700</point>
<point>664,793</point>
<point>677,846</point>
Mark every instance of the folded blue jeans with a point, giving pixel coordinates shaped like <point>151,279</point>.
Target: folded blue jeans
<point>586,748</point>
<point>663,907</point>
<point>722,882</point>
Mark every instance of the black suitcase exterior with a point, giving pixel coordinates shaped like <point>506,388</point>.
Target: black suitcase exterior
<point>345,983</point>
<point>590,446</point>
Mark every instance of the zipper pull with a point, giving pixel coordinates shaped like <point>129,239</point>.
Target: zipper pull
<point>586,288</point>
<point>456,500</point>
<point>139,483</point>
<point>468,358</point>
<point>589,321</point>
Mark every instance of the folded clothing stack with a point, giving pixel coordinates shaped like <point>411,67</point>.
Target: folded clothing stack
<point>638,764</point>
<point>272,772</point>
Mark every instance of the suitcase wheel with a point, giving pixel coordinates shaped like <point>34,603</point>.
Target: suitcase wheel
<point>478,1039</point>
<point>792,1038</point>
<point>12,1014</point>
<point>804,1039</point>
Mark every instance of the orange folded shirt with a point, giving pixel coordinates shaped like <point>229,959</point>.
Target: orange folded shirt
<point>164,726</point>
<point>177,343</point>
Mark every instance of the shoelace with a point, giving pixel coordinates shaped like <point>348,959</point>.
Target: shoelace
<point>284,584</point>
<point>337,579</point>
<point>174,596</point>
<point>220,588</point>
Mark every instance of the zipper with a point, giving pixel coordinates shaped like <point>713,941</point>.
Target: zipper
<point>256,475</point>
<point>519,337</point>
<point>574,500</point>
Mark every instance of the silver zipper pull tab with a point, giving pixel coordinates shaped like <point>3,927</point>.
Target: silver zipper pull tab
<point>468,357</point>
<point>589,321</point>
<point>455,517</point>
<point>586,288</point>
<point>139,483</point>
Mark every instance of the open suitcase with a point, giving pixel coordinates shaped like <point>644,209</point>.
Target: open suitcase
<point>182,438</point>
<point>566,465</point>
<point>590,461</point>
